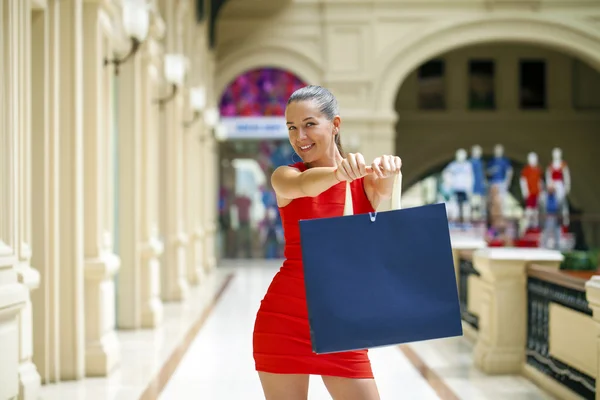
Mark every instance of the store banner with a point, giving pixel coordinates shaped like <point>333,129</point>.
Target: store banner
<point>254,128</point>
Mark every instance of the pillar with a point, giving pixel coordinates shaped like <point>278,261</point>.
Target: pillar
<point>194,126</point>
<point>101,264</point>
<point>174,283</point>
<point>193,180</point>
<point>210,151</point>
<point>14,296</point>
<point>151,306</point>
<point>501,343</point>
<point>20,27</point>
<point>45,143</point>
<point>592,288</point>
<point>71,223</point>
<point>174,259</point>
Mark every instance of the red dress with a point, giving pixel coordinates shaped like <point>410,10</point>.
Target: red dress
<point>281,337</point>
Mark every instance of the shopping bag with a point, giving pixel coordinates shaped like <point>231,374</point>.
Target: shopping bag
<point>379,279</point>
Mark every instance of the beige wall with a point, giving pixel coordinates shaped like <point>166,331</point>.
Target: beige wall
<point>58,237</point>
<point>364,51</point>
<point>440,133</point>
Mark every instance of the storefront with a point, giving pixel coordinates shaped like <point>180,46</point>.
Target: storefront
<point>254,142</point>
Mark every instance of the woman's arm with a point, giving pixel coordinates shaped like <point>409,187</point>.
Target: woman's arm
<point>289,183</point>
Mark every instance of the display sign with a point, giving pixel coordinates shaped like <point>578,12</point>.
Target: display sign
<point>254,128</point>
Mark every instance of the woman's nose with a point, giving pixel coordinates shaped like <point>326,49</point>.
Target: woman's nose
<point>301,134</point>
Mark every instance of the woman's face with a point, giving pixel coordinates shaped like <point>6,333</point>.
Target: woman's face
<point>311,133</point>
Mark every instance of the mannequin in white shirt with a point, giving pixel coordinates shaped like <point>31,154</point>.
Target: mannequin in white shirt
<point>460,178</point>
<point>559,176</point>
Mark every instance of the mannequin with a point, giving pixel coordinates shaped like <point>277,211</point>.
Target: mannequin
<point>551,209</point>
<point>478,198</point>
<point>559,176</point>
<point>459,176</point>
<point>531,187</point>
<point>500,174</point>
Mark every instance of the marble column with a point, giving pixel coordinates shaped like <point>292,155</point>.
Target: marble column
<point>71,193</point>
<point>101,264</point>
<point>14,295</point>
<point>151,307</point>
<point>501,343</point>
<point>19,27</point>
<point>174,285</point>
<point>195,271</point>
<point>592,288</point>
<point>45,144</point>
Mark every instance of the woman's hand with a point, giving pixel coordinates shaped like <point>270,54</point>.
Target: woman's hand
<point>386,166</point>
<point>352,167</point>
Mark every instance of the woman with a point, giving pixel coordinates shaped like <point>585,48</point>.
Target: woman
<point>314,188</point>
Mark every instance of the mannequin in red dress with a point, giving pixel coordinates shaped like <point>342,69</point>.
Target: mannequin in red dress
<point>313,188</point>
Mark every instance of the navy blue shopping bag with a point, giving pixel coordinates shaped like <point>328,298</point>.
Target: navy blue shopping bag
<point>379,279</point>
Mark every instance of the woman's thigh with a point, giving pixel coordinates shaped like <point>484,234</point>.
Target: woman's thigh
<point>351,389</point>
<point>284,386</point>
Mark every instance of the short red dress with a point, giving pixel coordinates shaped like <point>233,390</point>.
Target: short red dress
<point>281,339</point>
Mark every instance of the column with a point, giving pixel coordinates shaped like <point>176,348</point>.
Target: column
<point>211,174</point>
<point>593,297</point>
<point>195,271</point>
<point>71,223</point>
<point>45,141</point>
<point>500,347</point>
<point>129,143</point>
<point>14,296</point>
<point>151,307</point>
<point>29,378</point>
<point>209,203</point>
<point>174,284</point>
<point>101,264</point>
<point>174,259</point>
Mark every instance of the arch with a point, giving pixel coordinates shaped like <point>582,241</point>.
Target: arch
<point>260,92</point>
<point>269,54</point>
<point>570,37</point>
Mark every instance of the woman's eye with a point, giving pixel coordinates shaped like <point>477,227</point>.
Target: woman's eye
<point>310,124</point>
<point>291,127</point>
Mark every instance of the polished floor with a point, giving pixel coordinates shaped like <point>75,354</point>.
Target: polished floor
<point>204,351</point>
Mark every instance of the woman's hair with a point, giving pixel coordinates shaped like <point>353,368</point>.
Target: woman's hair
<point>325,101</point>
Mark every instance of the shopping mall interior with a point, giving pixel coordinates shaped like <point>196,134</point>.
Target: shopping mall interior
<point>140,231</point>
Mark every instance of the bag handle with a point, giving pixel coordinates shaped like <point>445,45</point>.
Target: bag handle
<point>396,198</point>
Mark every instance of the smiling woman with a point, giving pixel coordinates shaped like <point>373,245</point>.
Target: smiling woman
<point>313,188</point>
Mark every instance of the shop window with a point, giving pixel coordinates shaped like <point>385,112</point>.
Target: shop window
<point>482,94</point>
<point>432,86</point>
<point>532,84</point>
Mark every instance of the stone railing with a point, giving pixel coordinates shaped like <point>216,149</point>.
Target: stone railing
<point>560,332</point>
<point>467,279</point>
<point>528,317</point>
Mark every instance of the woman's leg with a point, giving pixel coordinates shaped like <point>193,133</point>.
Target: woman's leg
<point>284,386</point>
<point>351,389</point>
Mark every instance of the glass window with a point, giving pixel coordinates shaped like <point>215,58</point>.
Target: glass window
<point>481,85</point>
<point>532,84</point>
<point>432,87</point>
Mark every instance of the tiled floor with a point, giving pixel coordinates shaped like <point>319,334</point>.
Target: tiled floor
<point>143,352</point>
<point>218,364</point>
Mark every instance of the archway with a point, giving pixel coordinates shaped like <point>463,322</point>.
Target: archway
<point>256,142</point>
<point>402,58</point>
<point>486,94</point>
<point>235,59</point>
